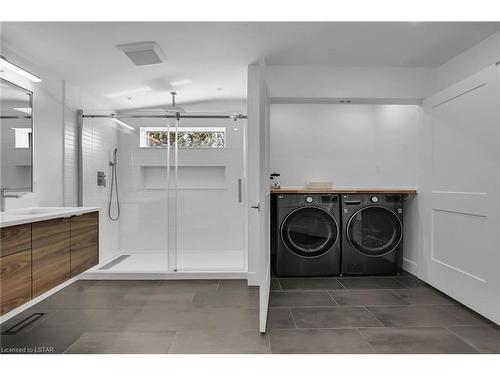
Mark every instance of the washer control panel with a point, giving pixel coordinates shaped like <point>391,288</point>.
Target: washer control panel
<point>309,199</point>
<point>374,199</point>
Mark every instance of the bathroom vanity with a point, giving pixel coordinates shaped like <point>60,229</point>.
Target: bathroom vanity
<point>41,248</point>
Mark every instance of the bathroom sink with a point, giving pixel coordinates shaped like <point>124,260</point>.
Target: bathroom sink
<point>34,211</point>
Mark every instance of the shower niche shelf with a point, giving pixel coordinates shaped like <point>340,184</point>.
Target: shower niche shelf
<point>154,177</point>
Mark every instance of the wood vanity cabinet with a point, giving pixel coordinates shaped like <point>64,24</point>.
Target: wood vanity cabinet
<point>15,283</point>
<point>51,254</point>
<point>15,239</point>
<point>84,242</point>
<point>15,267</point>
<point>39,256</point>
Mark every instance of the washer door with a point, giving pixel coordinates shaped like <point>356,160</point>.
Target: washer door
<point>374,231</point>
<point>309,231</point>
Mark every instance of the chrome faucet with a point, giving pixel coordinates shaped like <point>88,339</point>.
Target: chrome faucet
<point>3,196</point>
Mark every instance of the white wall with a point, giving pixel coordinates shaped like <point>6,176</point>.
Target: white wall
<point>349,82</point>
<point>351,145</point>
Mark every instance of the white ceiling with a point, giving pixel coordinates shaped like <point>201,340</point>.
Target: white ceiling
<point>215,55</point>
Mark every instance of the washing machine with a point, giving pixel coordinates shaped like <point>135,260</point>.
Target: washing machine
<point>308,238</point>
<point>372,234</point>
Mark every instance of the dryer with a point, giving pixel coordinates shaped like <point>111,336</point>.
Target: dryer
<point>308,238</point>
<point>372,234</point>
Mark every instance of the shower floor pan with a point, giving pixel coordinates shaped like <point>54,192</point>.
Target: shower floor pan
<point>153,265</point>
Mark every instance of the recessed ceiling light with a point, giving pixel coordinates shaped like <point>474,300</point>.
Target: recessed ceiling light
<point>24,110</point>
<point>128,92</point>
<point>17,69</point>
<point>180,82</point>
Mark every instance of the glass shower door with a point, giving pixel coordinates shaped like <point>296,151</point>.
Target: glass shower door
<point>209,174</point>
<point>143,173</point>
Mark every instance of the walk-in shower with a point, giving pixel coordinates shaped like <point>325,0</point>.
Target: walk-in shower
<point>180,203</point>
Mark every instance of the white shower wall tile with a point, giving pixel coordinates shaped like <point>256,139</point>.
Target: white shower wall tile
<point>99,139</point>
<point>70,164</point>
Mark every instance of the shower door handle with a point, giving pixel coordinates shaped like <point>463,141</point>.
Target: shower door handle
<point>240,195</point>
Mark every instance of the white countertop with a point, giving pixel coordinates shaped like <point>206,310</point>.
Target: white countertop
<point>34,214</point>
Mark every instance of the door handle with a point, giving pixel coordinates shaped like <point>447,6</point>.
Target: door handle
<point>240,198</point>
<point>256,207</point>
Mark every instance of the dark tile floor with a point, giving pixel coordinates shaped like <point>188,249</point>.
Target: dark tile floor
<point>319,315</point>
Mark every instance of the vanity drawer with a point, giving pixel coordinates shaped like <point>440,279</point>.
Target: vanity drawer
<point>84,242</point>
<point>15,280</point>
<point>15,239</point>
<point>51,254</point>
<point>88,220</point>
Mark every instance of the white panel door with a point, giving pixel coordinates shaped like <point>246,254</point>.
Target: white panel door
<point>463,248</point>
<point>265,204</point>
<point>259,188</point>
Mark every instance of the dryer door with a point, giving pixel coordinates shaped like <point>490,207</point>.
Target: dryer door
<point>374,231</point>
<point>309,231</point>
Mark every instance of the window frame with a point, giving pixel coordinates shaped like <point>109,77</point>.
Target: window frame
<point>181,129</point>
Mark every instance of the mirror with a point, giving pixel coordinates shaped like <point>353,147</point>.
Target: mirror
<point>16,137</point>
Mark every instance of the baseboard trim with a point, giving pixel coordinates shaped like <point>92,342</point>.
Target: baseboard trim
<point>253,279</point>
<point>411,267</point>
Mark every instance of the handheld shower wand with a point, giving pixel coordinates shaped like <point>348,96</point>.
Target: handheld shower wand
<point>114,186</point>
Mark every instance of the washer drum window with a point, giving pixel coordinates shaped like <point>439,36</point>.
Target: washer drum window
<point>374,231</point>
<point>309,231</point>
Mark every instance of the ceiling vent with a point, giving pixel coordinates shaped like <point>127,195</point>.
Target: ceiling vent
<point>144,53</point>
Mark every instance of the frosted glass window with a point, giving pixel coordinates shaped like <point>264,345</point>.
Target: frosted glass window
<point>187,137</point>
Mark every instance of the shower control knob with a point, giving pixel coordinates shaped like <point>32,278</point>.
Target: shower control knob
<point>309,199</point>
<point>374,199</point>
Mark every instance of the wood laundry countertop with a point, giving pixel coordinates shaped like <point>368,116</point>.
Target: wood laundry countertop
<point>334,190</point>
